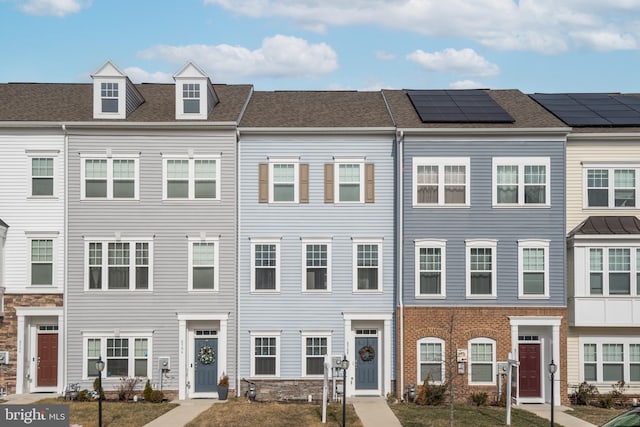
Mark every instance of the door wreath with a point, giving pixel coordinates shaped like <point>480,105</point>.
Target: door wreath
<point>367,353</point>
<point>206,355</point>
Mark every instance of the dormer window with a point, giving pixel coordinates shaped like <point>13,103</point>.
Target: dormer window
<point>191,98</point>
<point>109,94</point>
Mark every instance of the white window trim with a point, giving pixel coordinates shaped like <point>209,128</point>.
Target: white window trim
<point>599,341</point>
<point>633,269</point>
<point>482,243</point>
<point>441,162</point>
<point>296,178</point>
<point>216,262</point>
<point>204,95</point>
<point>43,235</point>
<point>97,98</point>
<point>348,161</point>
<point>311,241</point>
<point>109,158</point>
<point>367,241</point>
<point>431,243</point>
<point>131,336</point>
<point>265,334</point>
<point>191,178</point>
<point>428,340</point>
<point>268,241</point>
<point>45,154</point>
<point>533,244</point>
<point>520,162</point>
<point>105,263</point>
<point>482,340</point>
<point>611,167</point>
<point>311,334</point>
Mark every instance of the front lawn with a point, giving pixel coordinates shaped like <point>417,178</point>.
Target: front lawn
<point>114,414</point>
<point>242,413</point>
<point>593,414</point>
<point>411,415</point>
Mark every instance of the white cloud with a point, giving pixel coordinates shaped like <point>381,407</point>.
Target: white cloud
<point>58,8</point>
<point>279,56</point>
<point>467,84</point>
<point>385,56</point>
<point>138,75</point>
<point>463,62</point>
<point>546,26</point>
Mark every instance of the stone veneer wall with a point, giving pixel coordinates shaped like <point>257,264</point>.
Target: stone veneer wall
<point>468,323</point>
<point>9,330</point>
<point>288,390</point>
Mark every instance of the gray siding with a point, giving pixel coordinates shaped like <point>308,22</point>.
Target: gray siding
<point>482,221</point>
<point>292,311</point>
<point>169,223</point>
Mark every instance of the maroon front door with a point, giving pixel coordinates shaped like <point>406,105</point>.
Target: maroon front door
<point>47,360</point>
<point>529,375</point>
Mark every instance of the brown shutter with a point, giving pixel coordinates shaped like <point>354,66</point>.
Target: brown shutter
<point>304,182</point>
<point>369,176</point>
<point>263,183</point>
<point>328,183</point>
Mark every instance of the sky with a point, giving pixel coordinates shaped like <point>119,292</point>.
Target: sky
<point>530,45</point>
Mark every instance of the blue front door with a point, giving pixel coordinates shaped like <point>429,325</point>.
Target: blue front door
<point>206,365</point>
<point>366,363</point>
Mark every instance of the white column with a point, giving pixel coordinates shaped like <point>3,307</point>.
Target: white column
<point>555,343</point>
<point>388,337</point>
<point>20,362</point>
<point>222,350</point>
<point>182,360</point>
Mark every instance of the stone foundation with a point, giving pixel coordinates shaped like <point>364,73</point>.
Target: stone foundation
<point>287,390</point>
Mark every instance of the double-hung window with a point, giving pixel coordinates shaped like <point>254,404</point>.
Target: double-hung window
<point>191,98</point>
<point>191,178</point>
<point>118,264</point>
<point>349,180</point>
<point>431,360</point>
<point>265,265</point>
<point>521,181</point>
<point>614,271</point>
<point>316,347</point>
<point>533,263</point>
<point>367,269</point>
<point>607,360</point>
<point>265,350</point>
<point>610,186</point>
<point>283,180</point>
<point>430,277</point>
<point>203,262</point>
<point>482,361</point>
<point>126,355</point>
<point>42,176</point>
<point>42,271</point>
<point>481,268</point>
<point>316,255</point>
<point>113,177</point>
<point>441,181</point>
<point>109,93</point>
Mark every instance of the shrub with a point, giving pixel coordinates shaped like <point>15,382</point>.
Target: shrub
<point>606,401</point>
<point>431,394</point>
<point>224,381</point>
<point>95,388</point>
<point>127,387</point>
<point>83,395</point>
<point>147,391</point>
<point>585,394</point>
<point>480,398</point>
<point>156,396</point>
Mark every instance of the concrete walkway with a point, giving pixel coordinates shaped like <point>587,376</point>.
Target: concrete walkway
<point>561,414</point>
<point>374,412</point>
<point>187,411</point>
<point>28,398</point>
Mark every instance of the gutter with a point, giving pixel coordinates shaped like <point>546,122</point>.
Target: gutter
<point>399,254</point>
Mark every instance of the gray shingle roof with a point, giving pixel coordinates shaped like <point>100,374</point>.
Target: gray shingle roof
<point>309,109</point>
<point>60,102</point>
<point>526,112</point>
<point>608,225</point>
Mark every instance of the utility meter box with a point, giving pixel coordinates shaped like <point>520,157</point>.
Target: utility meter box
<point>336,362</point>
<point>164,363</point>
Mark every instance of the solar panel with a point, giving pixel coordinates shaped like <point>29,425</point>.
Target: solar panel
<point>592,109</point>
<point>457,106</point>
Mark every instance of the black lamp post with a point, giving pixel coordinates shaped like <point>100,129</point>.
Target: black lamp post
<point>100,368</point>
<point>344,365</point>
<point>552,370</point>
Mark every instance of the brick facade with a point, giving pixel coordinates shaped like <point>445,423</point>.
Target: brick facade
<point>460,324</point>
<point>9,330</point>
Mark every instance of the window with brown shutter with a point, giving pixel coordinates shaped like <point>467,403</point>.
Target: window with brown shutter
<point>328,183</point>
<point>304,182</point>
<point>263,183</point>
<point>369,195</point>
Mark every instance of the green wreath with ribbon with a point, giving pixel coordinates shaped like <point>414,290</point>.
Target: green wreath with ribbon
<point>206,355</point>
<point>367,353</point>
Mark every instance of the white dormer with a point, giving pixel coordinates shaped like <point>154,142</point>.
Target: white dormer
<point>114,96</point>
<point>195,96</point>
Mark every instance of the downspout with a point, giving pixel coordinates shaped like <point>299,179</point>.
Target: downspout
<point>399,254</point>
<point>66,254</point>
<point>237,278</point>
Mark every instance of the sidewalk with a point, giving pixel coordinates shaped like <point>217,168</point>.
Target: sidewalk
<point>561,415</point>
<point>180,416</point>
<point>374,412</point>
<point>27,398</point>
